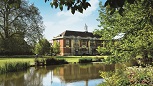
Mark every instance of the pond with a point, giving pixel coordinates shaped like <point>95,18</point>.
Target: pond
<point>61,75</point>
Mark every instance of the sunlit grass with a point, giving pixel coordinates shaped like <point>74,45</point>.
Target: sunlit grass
<point>70,59</point>
<point>73,59</point>
<point>12,60</point>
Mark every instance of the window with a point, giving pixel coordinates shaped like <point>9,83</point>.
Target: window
<point>76,43</point>
<point>92,43</point>
<point>84,43</point>
<point>67,42</point>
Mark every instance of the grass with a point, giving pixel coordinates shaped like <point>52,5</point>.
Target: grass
<point>14,67</point>
<point>70,59</point>
<point>12,60</point>
<point>73,59</point>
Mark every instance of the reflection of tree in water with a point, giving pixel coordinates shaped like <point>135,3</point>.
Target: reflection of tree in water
<point>35,77</point>
<point>11,79</point>
<point>31,78</point>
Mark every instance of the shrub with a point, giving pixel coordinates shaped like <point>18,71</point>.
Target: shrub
<point>129,77</point>
<point>54,61</point>
<point>85,60</point>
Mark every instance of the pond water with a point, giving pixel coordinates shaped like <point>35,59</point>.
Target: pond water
<point>62,75</point>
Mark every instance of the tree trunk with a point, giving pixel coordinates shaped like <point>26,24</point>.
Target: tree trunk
<point>145,56</point>
<point>6,20</point>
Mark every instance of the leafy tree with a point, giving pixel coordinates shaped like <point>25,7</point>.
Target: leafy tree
<point>56,47</point>
<point>137,39</point>
<point>103,51</point>
<point>73,5</point>
<point>42,47</point>
<point>119,5</point>
<point>23,22</point>
<point>15,46</point>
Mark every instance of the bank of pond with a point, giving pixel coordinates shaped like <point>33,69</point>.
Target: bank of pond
<point>19,66</point>
<point>85,72</point>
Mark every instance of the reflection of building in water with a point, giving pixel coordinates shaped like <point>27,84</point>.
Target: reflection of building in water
<point>75,72</point>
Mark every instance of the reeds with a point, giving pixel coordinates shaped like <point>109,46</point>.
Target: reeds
<point>14,67</point>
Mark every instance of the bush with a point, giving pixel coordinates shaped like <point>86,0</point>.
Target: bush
<point>54,61</point>
<point>85,60</point>
<point>129,77</point>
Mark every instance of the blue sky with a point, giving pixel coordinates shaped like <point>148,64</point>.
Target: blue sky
<point>56,21</point>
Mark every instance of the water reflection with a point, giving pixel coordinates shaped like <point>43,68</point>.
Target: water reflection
<point>64,75</point>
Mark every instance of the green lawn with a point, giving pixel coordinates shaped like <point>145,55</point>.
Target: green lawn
<point>70,59</point>
<point>76,58</point>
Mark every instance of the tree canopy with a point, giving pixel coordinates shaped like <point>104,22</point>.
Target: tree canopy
<point>137,33</point>
<point>22,23</point>
<point>73,5</point>
<point>56,47</point>
<point>42,47</point>
<point>119,5</point>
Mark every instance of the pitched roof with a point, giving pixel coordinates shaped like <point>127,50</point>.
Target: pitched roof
<point>78,33</point>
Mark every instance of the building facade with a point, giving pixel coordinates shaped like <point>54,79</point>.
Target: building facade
<point>78,43</point>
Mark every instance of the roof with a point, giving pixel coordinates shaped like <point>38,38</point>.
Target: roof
<point>78,33</point>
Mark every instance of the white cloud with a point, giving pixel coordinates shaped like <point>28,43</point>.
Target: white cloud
<point>65,20</point>
<point>94,6</point>
<point>78,17</point>
<point>87,12</point>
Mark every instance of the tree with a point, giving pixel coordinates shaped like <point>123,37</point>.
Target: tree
<point>56,47</point>
<point>15,46</point>
<point>137,34</point>
<point>42,47</point>
<point>19,22</point>
<point>119,5</point>
<point>73,5</point>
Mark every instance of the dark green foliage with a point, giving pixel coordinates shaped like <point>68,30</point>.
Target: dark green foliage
<point>85,60</point>
<point>14,3</point>
<point>119,5</point>
<point>73,5</point>
<point>54,61</point>
<point>14,67</point>
<point>20,27</point>
<point>15,46</point>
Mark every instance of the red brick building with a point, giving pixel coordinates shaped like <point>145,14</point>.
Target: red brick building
<point>78,43</point>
